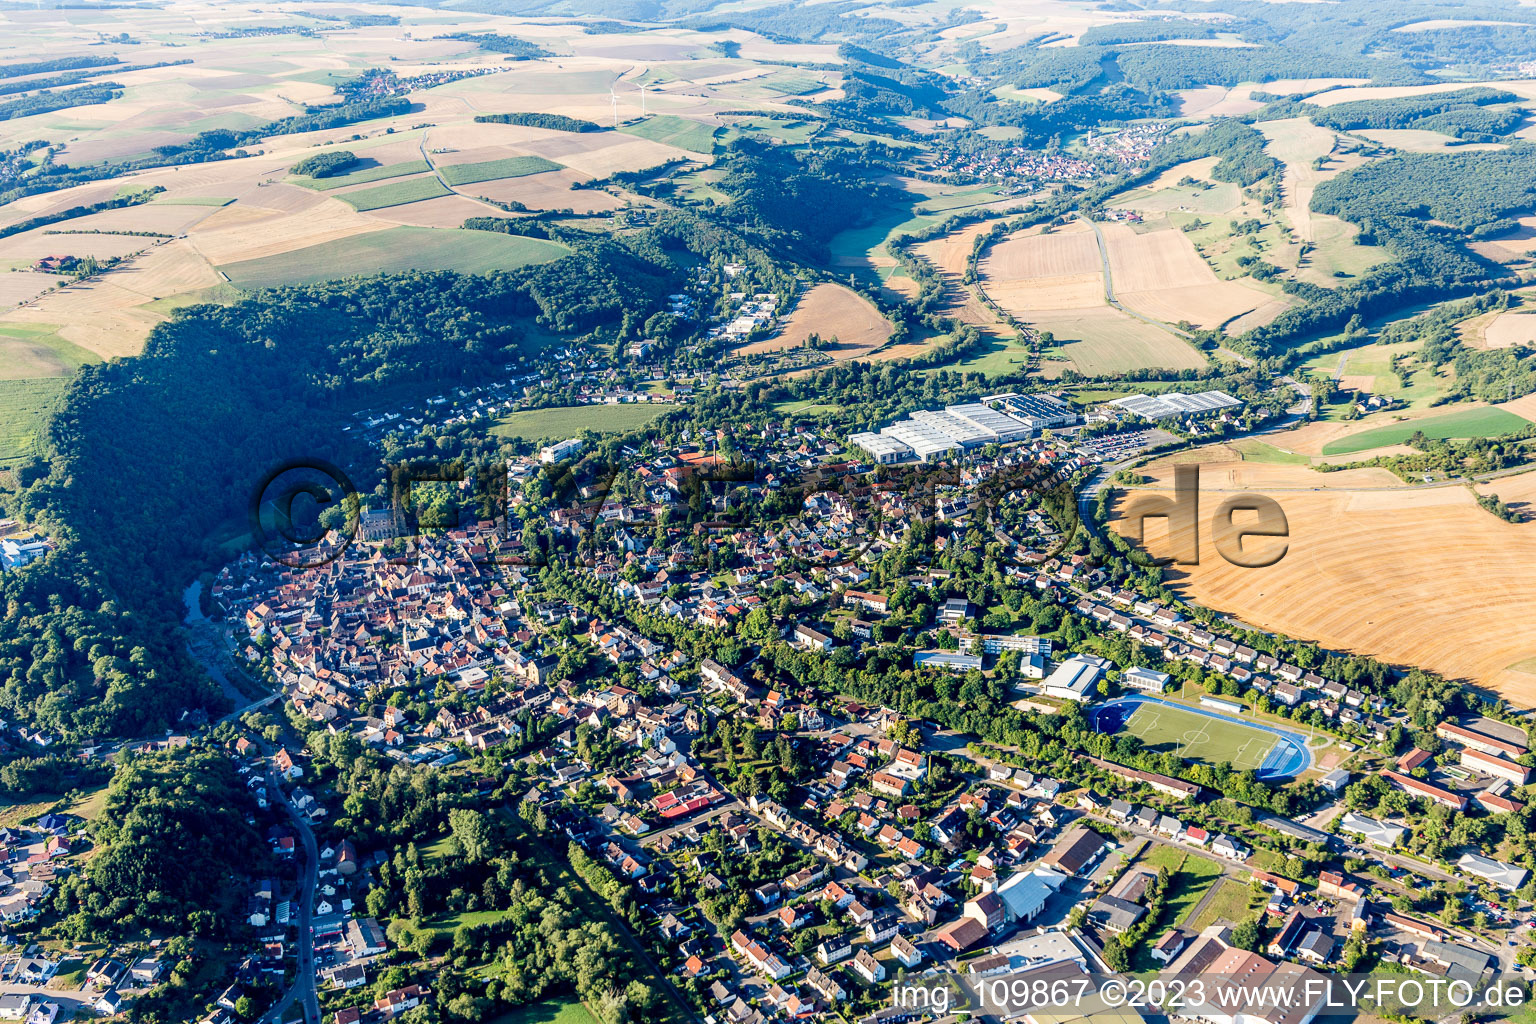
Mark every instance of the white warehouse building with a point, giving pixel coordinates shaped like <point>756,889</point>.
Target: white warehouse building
<point>1175,405</point>
<point>931,433</point>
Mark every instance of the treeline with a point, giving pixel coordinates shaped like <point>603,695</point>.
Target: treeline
<point>174,847</point>
<point>115,203</point>
<point>38,67</point>
<point>1149,30</point>
<point>1186,67</point>
<point>528,227</point>
<point>1459,113</point>
<point>1451,457</point>
<point>519,49</point>
<point>316,119</point>
<point>325,165</point>
<point>554,122</point>
<point>46,102</point>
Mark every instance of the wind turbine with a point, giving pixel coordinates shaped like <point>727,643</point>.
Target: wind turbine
<point>613,98</point>
<point>645,113</point>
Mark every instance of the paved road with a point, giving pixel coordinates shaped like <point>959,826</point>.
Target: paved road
<point>438,174</point>
<point>303,988</point>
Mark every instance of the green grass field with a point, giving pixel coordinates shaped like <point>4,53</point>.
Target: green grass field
<point>37,350</point>
<point>550,1011</point>
<point>1190,885</point>
<point>959,200</point>
<point>1104,340</point>
<point>1254,450</point>
<point>570,420</point>
<point>1469,423</point>
<point>794,133</point>
<point>675,131</point>
<point>994,358</point>
<point>1198,737</point>
<point>411,190</point>
<point>363,175</point>
<point>489,170</point>
<point>393,250</point>
<point>24,408</point>
<point>806,406</point>
<point>1370,367</point>
<point>1230,903</point>
<point>792,83</point>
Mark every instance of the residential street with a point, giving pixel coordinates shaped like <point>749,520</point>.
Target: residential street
<point>303,987</point>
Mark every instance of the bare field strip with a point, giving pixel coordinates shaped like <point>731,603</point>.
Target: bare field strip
<point>442,212</point>
<point>1031,298</point>
<point>830,310</point>
<point>1066,252</point>
<point>1408,575</point>
<point>1257,317</point>
<point>30,246</point>
<point>1526,88</point>
<point>1513,245</point>
<point>1218,101</point>
<point>952,252</point>
<point>1204,305</point>
<point>548,191</point>
<point>1296,143</point>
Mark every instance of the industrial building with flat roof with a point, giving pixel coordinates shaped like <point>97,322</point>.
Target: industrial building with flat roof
<point>931,433</point>
<point>1175,405</point>
<point>882,448</point>
<point>1038,411</point>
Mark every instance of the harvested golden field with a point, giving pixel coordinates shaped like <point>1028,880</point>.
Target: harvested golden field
<point>1258,317</point>
<point>30,246</point>
<point>23,285</point>
<point>442,212</point>
<point>1297,143</point>
<point>1159,274</point>
<point>1218,101</point>
<point>1525,87</point>
<point>249,231</point>
<point>104,315</point>
<point>1412,575</point>
<point>950,253</point>
<point>1417,140</point>
<point>831,311</point>
<point>1512,246</point>
<point>1510,328</point>
<point>550,190</point>
<point>1029,272</point>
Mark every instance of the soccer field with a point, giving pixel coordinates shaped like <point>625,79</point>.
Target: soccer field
<point>1203,736</point>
